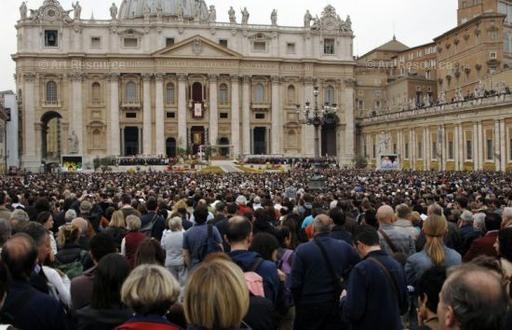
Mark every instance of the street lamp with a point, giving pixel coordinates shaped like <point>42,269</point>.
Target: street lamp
<point>317,117</point>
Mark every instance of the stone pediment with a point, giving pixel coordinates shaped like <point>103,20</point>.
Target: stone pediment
<point>197,47</point>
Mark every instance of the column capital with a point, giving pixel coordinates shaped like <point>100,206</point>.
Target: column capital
<point>213,78</point>
<point>29,76</point>
<point>235,78</point>
<point>182,77</point>
<point>276,80</point>
<point>246,79</point>
<point>350,83</point>
<point>159,77</point>
<point>76,76</point>
<point>308,80</point>
<point>114,76</point>
<point>146,77</point>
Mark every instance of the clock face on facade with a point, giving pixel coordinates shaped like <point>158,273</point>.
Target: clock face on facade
<point>51,13</point>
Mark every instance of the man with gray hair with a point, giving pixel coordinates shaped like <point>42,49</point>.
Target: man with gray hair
<point>317,271</point>
<point>70,215</point>
<point>404,223</point>
<point>18,218</point>
<point>466,230</point>
<point>393,240</point>
<point>472,298</point>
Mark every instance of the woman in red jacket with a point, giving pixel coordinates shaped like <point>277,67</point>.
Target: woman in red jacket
<point>149,291</point>
<point>132,240</point>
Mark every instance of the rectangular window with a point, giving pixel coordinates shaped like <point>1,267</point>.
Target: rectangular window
<point>223,115</point>
<point>171,115</point>
<point>490,151</point>
<point>51,38</point>
<point>223,43</point>
<point>469,150</point>
<point>95,42</point>
<point>492,55</point>
<point>420,150</point>
<point>131,115</point>
<point>407,151</point>
<point>290,48</point>
<point>493,35</point>
<point>131,42</point>
<point>260,46</point>
<point>450,149</point>
<point>329,46</point>
<point>260,116</point>
<point>169,42</point>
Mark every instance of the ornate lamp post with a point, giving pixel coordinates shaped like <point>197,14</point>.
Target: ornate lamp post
<point>317,116</point>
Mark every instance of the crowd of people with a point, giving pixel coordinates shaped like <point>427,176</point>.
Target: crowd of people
<point>369,250</point>
<point>292,161</point>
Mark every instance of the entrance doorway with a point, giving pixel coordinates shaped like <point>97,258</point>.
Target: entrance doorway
<point>51,148</point>
<point>170,147</point>
<point>224,151</point>
<point>329,140</point>
<point>197,135</point>
<point>260,140</point>
<point>131,141</point>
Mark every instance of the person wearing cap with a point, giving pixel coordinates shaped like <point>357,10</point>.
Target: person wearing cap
<point>467,231</point>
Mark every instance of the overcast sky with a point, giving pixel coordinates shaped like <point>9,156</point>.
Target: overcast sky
<point>374,21</point>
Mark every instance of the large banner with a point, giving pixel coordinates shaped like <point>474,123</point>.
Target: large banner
<point>71,163</point>
<point>389,163</point>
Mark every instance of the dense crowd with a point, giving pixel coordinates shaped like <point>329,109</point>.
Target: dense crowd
<point>369,250</point>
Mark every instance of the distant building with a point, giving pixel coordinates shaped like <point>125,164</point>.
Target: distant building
<point>9,101</point>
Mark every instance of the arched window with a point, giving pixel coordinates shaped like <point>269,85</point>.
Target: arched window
<point>329,95</point>
<point>223,94</point>
<point>291,95</point>
<point>131,92</point>
<point>51,92</point>
<point>170,92</point>
<point>260,93</point>
<point>96,93</point>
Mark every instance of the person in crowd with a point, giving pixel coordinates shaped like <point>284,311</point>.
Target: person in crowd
<point>5,213</point>
<point>228,297</point>
<point>393,240</point>
<point>150,291</point>
<point>485,245</point>
<point>338,230</point>
<point>5,231</point>
<point>376,293</point>
<point>70,251</point>
<point>435,252</point>
<point>46,219</point>
<point>503,248</point>
<point>404,223</point>
<point>117,228</point>
<point>201,239</point>
<point>86,232</point>
<point>127,208</point>
<point>479,222</point>
<point>106,311</point>
<point>18,218</point>
<point>150,252</point>
<point>26,307</point>
<point>82,286</point>
<point>318,266</point>
<point>239,237</point>
<point>152,223</point>
<point>467,231</point>
<point>180,210</point>
<point>172,243</point>
<point>472,297</point>
<point>132,239</point>
<point>427,289</point>
<point>506,217</point>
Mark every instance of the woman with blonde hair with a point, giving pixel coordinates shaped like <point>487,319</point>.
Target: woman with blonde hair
<point>149,292</point>
<point>117,228</point>
<point>216,296</point>
<point>434,253</point>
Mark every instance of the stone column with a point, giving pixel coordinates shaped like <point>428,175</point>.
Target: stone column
<point>29,159</point>
<point>276,117</point>
<point>475,146</point>
<point>246,115</point>
<point>146,116</point>
<point>159,114</point>
<point>77,110</point>
<point>480,147</point>
<point>412,148</point>
<point>347,105</point>
<point>308,134</point>
<point>503,145</point>
<point>456,147</point>
<point>497,145</point>
<point>235,116</point>
<point>460,143</point>
<point>214,113</point>
<point>182,111</point>
<point>425,150</point>
<point>444,154</point>
<point>115,143</point>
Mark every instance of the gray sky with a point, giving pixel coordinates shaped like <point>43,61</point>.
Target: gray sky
<point>374,21</point>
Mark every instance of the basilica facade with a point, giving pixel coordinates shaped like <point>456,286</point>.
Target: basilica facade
<point>164,76</point>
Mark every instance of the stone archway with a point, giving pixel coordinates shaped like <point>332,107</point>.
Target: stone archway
<point>51,145</point>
